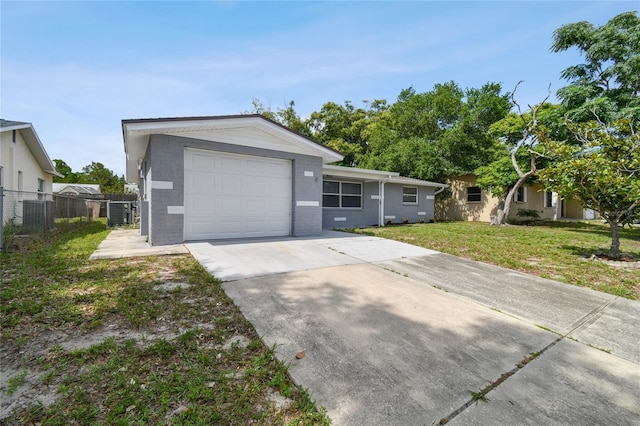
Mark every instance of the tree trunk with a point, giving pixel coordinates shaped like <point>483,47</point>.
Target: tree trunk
<point>614,251</point>
<point>503,214</point>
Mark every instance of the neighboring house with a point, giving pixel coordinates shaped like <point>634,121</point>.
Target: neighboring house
<point>26,171</point>
<point>77,189</point>
<point>88,205</point>
<point>246,176</point>
<point>468,202</point>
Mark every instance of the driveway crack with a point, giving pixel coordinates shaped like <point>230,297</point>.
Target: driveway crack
<point>481,395</point>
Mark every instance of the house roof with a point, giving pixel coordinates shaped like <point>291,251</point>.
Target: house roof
<point>258,132</point>
<point>33,142</point>
<point>416,182</point>
<point>375,175</point>
<point>78,188</point>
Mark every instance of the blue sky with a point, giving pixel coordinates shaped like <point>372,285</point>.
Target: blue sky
<point>76,69</point>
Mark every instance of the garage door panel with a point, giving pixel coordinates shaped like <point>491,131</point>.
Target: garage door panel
<point>231,206</point>
<point>235,196</point>
<point>201,162</point>
<point>229,164</point>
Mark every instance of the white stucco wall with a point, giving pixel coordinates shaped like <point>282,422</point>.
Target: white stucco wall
<point>17,157</point>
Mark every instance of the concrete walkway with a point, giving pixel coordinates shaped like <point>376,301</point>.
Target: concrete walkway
<point>395,334</point>
<point>128,243</point>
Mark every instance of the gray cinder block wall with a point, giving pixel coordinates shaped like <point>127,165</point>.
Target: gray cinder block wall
<point>165,164</point>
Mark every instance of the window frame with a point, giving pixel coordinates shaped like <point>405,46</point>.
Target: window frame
<point>415,196</point>
<point>517,198</point>
<point>41,185</point>
<point>547,199</point>
<point>478,194</point>
<point>341,194</point>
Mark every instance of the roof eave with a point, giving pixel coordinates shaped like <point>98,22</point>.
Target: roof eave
<point>36,147</point>
<point>145,127</point>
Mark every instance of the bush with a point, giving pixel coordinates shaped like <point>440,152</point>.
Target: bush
<point>528,214</point>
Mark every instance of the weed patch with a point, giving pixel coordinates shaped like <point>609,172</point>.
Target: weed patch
<point>131,341</point>
<point>556,250</point>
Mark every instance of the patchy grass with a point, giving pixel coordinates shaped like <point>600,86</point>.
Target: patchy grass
<point>555,250</point>
<point>104,342</point>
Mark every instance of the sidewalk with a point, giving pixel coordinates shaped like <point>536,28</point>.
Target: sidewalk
<point>128,243</point>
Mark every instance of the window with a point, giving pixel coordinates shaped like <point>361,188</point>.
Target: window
<point>548,199</point>
<point>41,189</point>
<point>474,194</point>
<point>409,195</point>
<point>346,195</point>
<point>521,195</point>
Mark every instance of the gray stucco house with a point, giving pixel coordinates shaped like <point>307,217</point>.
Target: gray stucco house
<point>245,176</point>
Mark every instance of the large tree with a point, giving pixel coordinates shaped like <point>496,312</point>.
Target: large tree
<point>68,175</point>
<point>521,134</point>
<point>434,134</point>
<point>603,172</point>
<point>97,173</point>
<point>344,127</point>
<point>608,82</point>
<point>286,116</point>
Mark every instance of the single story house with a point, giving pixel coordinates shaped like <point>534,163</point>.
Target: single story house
<point>87,204</point>
<point>26,172</point>
<point>77,189</point>
<point>469,202</point>
<point>244,176</point>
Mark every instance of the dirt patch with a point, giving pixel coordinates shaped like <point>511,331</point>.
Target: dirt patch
<point>146,340</point>
<point>625,261</point>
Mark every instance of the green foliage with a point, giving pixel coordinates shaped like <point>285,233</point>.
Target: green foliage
<point>344,127</point>
<point>607,84</point>
<point>135,377</point>
<point>286,116</point>
<point>603,173</point>
<point>68,176</point>
<point>435,134</point>
<point>94,173</point>
<point>500,175</point>
<point>426,135</point>
<point>546,249</point>
<point>528,214</point>
<point>97,173</point>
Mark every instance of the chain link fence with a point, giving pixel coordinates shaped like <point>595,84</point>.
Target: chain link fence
<point>25,212</point>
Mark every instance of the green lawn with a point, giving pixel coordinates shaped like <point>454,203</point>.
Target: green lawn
<point>556,250</point>
<point>114,349</point>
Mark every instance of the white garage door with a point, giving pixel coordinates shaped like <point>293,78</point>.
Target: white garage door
<point>235,196</point>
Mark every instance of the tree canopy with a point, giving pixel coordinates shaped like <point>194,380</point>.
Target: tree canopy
<point>428,135</point>
<point>607,84</point>
<point>94,173</point>
<point>603,173</point>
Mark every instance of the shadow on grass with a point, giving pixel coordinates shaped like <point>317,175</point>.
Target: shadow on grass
<point>591,229</point>
<point>588,252</point>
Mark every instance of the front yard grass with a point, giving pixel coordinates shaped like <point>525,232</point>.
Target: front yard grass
<point>131,341</point>
<point>555,250</point>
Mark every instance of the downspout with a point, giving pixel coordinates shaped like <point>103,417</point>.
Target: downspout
<point>381,205</point>
<point>439,191</point>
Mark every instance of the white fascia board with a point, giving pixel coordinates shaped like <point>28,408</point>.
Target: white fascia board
<point>417,182</point>
<point>15,127</point>
<point>136,135</point>
<point>355,173</point>
<point>37,149</point>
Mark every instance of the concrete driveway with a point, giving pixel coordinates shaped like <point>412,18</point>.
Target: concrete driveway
<point>396,334</point>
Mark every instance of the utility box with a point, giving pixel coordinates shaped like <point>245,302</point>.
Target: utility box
<point>119,213</point>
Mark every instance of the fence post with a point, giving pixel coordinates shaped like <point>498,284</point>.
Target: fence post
<point>1,218</point>
<point>44,205</point>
